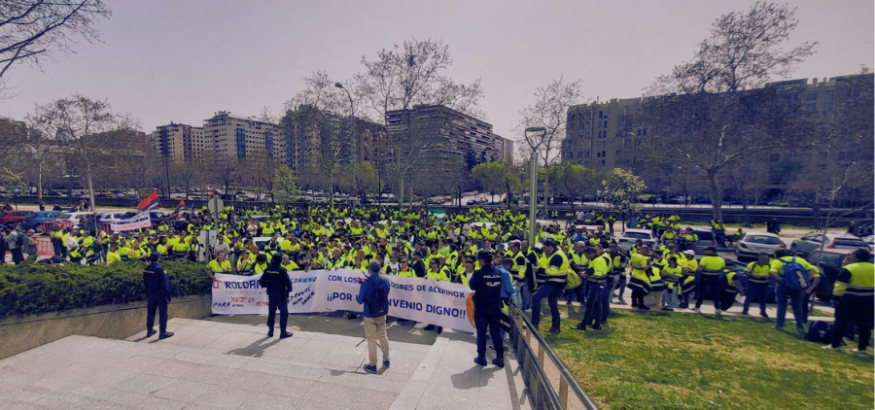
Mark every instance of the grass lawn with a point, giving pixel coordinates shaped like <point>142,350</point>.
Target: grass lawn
<point>820,313</point>
<point>687,361</point>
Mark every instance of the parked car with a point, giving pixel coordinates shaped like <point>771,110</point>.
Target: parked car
<point>869,240</point>
<point>35,220</point>
<point>628,238</point>
<point>808,243</point>
<point>753,244</point>
<point>11,218</point>
<point>113,216</point>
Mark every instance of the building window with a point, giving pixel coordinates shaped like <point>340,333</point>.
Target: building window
<point>829,95</point>
<point>812,96</point>
<point>828,107</point>
<point>602,115</point>
<point>586,155</point>
<point>621,122</point>
<point>598,154</point>
<point>603,163</point>
<point>618,153</point>
<point>602,144</point>
<point>811,107</point>
<point>642,132</point>
<point>603,134</point>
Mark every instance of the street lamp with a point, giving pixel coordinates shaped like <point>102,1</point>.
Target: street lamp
<point>354,149</point>
<point>534,177</point>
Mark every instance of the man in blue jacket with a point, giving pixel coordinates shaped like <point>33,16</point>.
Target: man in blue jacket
<point>374,298</point>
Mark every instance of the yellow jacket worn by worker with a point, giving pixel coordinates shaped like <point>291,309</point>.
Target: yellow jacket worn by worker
<point>712,265</point>
<point>856,280</point>
<point>558,267</point>
<point>639,277</point>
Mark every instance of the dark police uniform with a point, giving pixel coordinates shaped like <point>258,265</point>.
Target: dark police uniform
<point>486,283</point>
<point>158,294</point>
<point>276,282</point>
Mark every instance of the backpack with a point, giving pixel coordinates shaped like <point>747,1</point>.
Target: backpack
<point>795,276</point>
<point>378,302</point>
<point>573,280</point>
<point>819,332</point>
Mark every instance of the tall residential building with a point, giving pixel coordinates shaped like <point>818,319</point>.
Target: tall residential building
<point>313,138</point>
<point>238,139</point>
<point>440,141</point>
<point>616,133</point>
<point>181,143</point>
<point>504,149</point>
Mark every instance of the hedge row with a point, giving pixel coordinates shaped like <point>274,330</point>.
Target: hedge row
<point>30,289</point>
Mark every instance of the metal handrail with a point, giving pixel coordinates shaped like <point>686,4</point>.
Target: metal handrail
<point>544,392</point>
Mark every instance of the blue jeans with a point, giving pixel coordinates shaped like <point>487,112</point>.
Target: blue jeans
<point>551,291</point>
<point>607,291</point>
<point>796,299</point>
<point>593,314</point>
<point>526,296</point>
<point>760,292</point>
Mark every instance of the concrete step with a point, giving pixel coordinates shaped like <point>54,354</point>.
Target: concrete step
<point>211,364</point>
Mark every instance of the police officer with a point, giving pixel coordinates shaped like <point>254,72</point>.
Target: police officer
<point>486,284</point>
<point>277,284</point>
<point>854,292</point>
<point>158,294</point>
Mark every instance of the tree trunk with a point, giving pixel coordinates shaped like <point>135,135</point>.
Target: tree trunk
<point>401,190</point>
<point>39,187</point>
<point>715,194</point>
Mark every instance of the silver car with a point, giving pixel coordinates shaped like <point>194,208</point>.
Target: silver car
<point>804,245</point>
<point>752,244</point>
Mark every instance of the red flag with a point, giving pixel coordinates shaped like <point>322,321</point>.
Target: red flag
<point>179,206</point>
<point>149,202</point>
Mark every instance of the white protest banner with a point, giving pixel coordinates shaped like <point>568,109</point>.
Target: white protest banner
<point>141,220</point>
<point>421,300</point>
<point>242,295</point>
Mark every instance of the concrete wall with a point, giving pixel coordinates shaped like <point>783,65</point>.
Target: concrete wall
<point>19,334</point>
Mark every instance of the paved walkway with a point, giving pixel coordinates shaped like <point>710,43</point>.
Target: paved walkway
<point>219,364</point>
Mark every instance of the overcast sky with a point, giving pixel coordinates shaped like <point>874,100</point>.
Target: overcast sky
<point>182,60</point>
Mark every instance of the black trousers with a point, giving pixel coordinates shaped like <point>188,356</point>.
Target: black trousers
<point>854,309</point>
<point>494,323</point>
<point>17,256</point>
<point>281,301</point>
<point>595,292</point>
<point>56,247</point>
<point>713,284</point>
<point>157,301</point>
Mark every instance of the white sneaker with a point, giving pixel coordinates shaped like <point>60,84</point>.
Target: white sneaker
<point>829,347</point>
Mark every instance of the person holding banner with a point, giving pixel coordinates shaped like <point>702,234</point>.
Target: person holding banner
<point>374,298</point>
<point>486,284</point>
<point>275,280</point>
<point>218,265</point>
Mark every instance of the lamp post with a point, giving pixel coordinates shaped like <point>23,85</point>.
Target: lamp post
<point>354,149</point>
<point>534,177</point>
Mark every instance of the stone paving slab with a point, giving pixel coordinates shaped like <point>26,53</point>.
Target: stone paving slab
<point>229,363</point>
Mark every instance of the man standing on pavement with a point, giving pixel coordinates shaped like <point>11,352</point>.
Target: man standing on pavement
<point>158,293</point>
<point>711,269</point>
<point>596,274</point>
<point>374,298</point>
<point>486,284</point>
<point>275,280</point>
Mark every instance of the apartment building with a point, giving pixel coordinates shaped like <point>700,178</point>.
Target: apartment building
<point>181,143</point>
<point>616,133</point>
<point>237,138</point>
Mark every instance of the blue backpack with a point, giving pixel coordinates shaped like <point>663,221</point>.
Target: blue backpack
<point>795,276</point>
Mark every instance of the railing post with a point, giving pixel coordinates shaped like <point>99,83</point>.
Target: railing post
<point>563,392</point>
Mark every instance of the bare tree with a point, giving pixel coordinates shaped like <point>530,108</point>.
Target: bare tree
<point>709,113</point>
<point>407,75</point>
<point>225,172</point>
<point>550,110</point>
<point>88,131</point>
<point>33,30</point>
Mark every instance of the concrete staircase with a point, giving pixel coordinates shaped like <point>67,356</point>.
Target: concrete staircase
<point>211,364</point>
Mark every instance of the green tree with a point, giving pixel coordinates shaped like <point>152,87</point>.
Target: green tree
<point>620,189</point>
<point>493,177</point>
<point>284,189</point>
